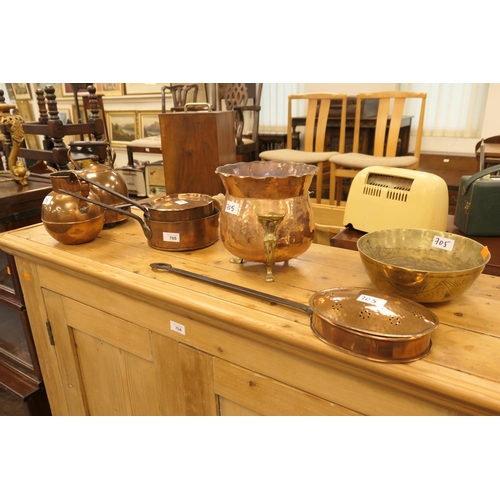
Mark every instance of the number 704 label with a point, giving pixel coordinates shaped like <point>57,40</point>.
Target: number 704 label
<point>443,243</point>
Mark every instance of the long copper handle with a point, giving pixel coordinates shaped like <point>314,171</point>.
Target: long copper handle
<point>162,266</point>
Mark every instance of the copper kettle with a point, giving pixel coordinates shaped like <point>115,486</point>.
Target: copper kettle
<point>66,218</point>
<point>105,175</point>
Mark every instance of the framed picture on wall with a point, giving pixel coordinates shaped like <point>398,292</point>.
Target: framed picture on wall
<point>66,116</point>
<point>122,127</point>
<point>149,124</point>
<point>21,90</point>
<point>144,88</point>
<point>57,88</point>
<point>67,88</point>
<point>109,88</point>
<point>25,110</point>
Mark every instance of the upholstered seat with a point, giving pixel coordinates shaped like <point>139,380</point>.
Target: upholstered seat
<point>359,161</point>
<point>297,155</point>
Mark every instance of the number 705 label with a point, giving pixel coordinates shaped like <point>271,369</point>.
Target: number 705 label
<point>444,243</point>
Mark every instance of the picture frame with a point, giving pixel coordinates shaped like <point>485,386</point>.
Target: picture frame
<point>108,89</point>
<point>67,89</point>
<point>102,114</point>
<point>57,88</point>
<point>10,91</point>
<point>21,91</point>
<point>149,124</point>
<point>122,127</point>
<point>25,110</point>
<point>66,115</point>
<point>144,88</point>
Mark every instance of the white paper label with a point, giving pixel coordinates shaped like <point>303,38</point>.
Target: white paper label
<point>177,327</point>
<point>233,207</point>
<point>172,237</point>
<point>374,301</point>
<point>181,202</point>
<point>47,200</point>
<point>444,243</point>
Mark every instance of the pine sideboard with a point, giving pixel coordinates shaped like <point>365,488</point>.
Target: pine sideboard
<point>115,337</point>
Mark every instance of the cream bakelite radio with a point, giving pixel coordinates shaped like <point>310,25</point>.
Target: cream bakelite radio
<point>389,197</point>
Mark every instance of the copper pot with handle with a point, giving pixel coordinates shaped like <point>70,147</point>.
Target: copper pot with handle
<point>179,222</point>
<point>367,323</point>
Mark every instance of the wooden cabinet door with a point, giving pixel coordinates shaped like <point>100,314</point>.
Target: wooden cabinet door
<point>111,366</point>
<point>243,392</point>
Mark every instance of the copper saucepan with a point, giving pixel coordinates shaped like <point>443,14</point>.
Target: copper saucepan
<point>367,323</point>
<point>166,225</point>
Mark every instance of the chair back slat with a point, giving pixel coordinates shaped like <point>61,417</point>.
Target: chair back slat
<point>388,122</point>
<point>316,123</point>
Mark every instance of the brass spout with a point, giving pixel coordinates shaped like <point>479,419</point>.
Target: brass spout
<point>270,223</point>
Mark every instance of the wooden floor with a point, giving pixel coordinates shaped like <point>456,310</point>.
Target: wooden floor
<point>10,405</point>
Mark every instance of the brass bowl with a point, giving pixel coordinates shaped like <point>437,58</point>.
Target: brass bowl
<point>423,265</point>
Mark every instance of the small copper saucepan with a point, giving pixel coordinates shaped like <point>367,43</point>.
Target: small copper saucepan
<point>365,322</point>
<point>178,222</point>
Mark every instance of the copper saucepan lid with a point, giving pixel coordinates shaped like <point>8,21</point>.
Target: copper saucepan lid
<point>180,207</point>
<point>365,322</point>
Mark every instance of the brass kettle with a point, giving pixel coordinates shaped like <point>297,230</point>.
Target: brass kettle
<point>66,218</point>
<point>105,175</point>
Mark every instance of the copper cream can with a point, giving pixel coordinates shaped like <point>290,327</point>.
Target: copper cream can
<point>266,215</point>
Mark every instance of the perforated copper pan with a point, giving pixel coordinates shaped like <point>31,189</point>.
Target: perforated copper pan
<point>365,322</point>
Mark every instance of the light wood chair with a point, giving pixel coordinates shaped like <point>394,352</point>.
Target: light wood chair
<point>388,124</point>
<point>313,152</point>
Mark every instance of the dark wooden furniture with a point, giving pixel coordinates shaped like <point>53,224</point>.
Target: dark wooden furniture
<point>348,238</point>
<point>49,125</point>
<point>367,134</point>
<point>237,98</point>
<point>491,151</point>
<point>198,143</point>
<point>451,168</point>
<point>181,95</point>
<point>277,140</point>
<point>20,374</point>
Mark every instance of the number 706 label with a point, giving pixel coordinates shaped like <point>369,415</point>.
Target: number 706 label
<point>443,243</point>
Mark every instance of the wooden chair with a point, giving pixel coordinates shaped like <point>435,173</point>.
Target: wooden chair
<point>53,131</point>
<point>318,108</point>
<point>236,97</point>
<point>388,123</point>
<point>488,161</point>
<point>181,95</point>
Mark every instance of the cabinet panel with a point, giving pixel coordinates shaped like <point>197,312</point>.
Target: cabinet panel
<point>110,366</point>
<point>229,408</point>
<point>118,332</point>
<point>185,378</point>
<point>267,396</point>
<point>115,382</point>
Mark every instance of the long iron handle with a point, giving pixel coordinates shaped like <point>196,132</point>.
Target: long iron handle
<point>162,266</point>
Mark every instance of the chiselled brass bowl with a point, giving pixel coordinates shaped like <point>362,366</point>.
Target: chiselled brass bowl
<point>423,265</point>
